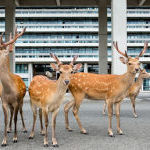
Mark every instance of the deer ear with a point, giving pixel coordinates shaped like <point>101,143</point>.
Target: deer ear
<point>77,67</point>
<point>54,66</point>
<point>123,60</point>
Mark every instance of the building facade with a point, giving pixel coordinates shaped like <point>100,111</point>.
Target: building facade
<point>72,31</point>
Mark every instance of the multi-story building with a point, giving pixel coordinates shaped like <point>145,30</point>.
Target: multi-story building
<point>70,31</point>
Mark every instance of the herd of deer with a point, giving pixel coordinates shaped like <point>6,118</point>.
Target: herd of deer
<point>47,95</point>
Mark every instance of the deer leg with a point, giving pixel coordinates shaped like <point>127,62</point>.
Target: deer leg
<point>45,112</point>
<point>16,108</point>
<point>54,115</point>
<point>22,119</point>
<point>9,129</point>
<point>75,112</point>
<point>34,109</point>
<point>110,113</point>
<point>41,123</point>
<point>66,110</point>
<point>133,106</point>
<point>5,110</point>
<point>104,108</point>
<point>118,118</point>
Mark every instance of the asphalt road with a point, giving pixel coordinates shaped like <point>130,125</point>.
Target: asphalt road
<point>136,130</point>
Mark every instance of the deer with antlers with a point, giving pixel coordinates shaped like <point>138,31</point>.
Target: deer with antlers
<point>134,90</point>
<point>48,95</point>
<point>111,88</point>
<point>13,88</point>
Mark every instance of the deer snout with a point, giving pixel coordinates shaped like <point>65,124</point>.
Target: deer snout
<point>66,82</point>
<point>136,69</point>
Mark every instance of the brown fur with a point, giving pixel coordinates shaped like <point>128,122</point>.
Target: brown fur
<point>0,89</point>
<point>48,95</point>
<point>13,88</point>
<point>134,90</point>
<point>112,88</point>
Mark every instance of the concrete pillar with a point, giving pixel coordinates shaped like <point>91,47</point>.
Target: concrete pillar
<point>30,72</point>
<point>102,36</point>
<point>10,27</point>
<point>119,33</point>
<point>85,68</point>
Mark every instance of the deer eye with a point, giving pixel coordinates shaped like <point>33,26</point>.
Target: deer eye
<point>60,72</point>
<point>71,72</point>
<point>130,64</point>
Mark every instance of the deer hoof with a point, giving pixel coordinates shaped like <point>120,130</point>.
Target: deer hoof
<point>86,133</point>
<point>83,131</point>
<point>15,140</point>
<point>111,134</point>
<point>42,132</point>
<point>3,145</point>
<point>30,137</point>
<point>46,145</point>
<point>70,130</point>
<point>25,131</point>
<point>9,130</point>
<point>55,145</point>
<point>135,116</point>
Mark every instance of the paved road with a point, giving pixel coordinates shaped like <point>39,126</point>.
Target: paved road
<point>136,131</point>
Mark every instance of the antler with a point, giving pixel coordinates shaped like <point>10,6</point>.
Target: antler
<point>11,41</point>
<point>74,59</point>
<point>56,58</point>
<point>11,46</point>
<point>116,47</point>
<point>1,38</point>
<point>144,49</point>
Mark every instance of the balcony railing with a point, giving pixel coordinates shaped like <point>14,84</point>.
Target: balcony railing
<point>73,11</point>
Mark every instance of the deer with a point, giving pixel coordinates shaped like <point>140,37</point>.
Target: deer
<point>134,90</point>
<point>48,95</point>
<point>109,87</point>
<point>21,89</point>
<point>12,87</point>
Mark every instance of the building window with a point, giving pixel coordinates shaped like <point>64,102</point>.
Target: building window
<point>21,68</point>
<point>146,85</point>
<point>26,82</point>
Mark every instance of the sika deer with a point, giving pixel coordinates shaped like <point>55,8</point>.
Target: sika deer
<point>134,90</point>
<point>13,88</point>
<point>22,91</point>
<point>111,88</point>
<point>48,95</point>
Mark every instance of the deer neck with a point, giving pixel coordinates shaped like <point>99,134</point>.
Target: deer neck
<point>61,88</point>
<point>5,77</point>
<point>128,78</point>
<point>139,81</point>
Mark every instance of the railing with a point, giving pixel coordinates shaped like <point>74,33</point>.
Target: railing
<point>56,41</point>
<point>39,27</point>
<point>76,40</point>
<point>49,11</point>
<point>138,11</point>
<point>44,55</point>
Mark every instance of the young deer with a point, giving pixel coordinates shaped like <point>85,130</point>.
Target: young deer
<point>134,90</point>
<point>112,88</point>
<point>48,95</point>
<point>13,88</point>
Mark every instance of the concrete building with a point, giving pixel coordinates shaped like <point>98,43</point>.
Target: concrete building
<point>67,31</point>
